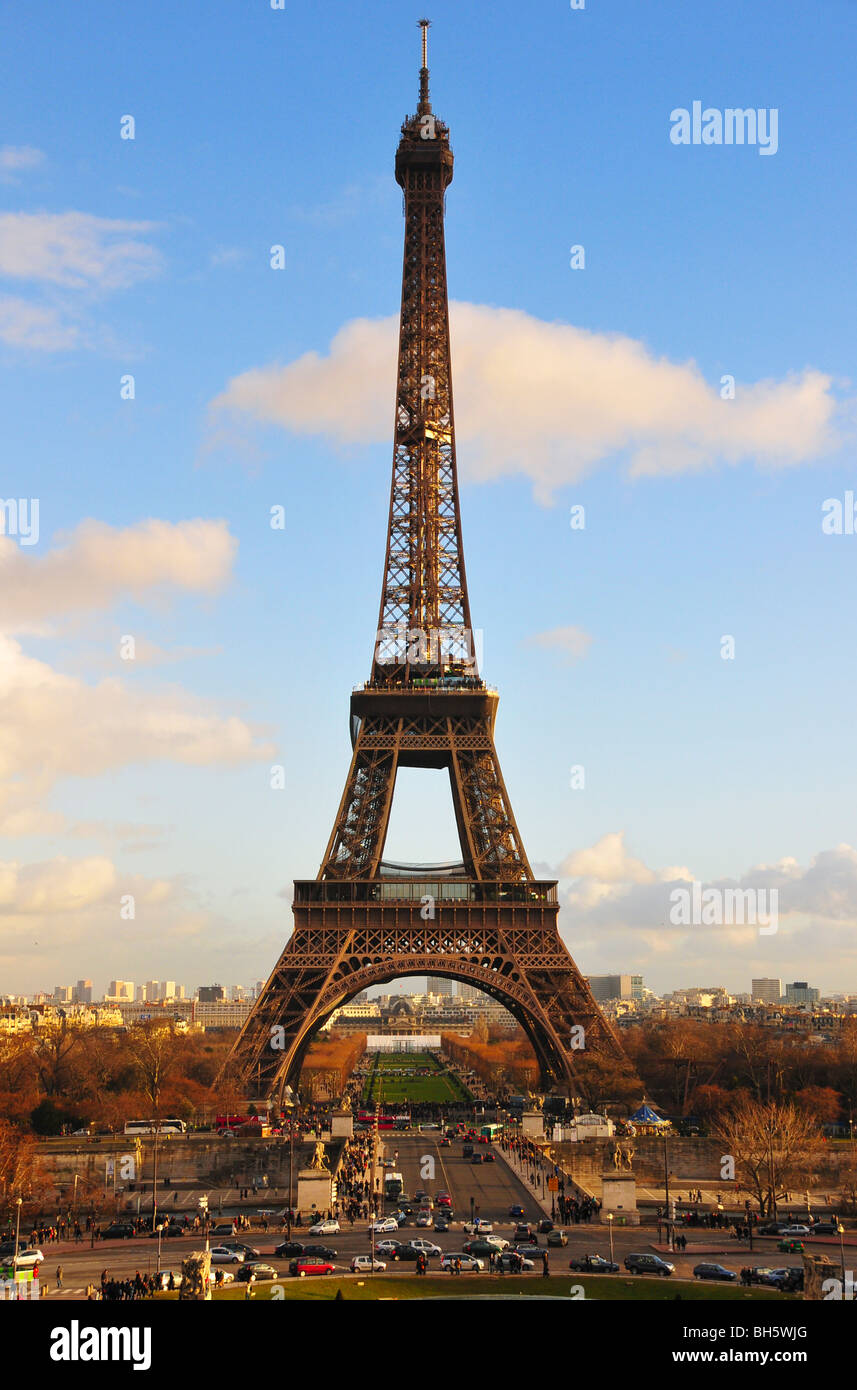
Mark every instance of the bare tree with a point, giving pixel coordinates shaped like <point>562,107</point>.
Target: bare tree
<point>774,1146</point>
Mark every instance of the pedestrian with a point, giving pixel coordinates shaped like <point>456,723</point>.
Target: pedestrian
<point>59,1277</point>
<point>545,1264</point>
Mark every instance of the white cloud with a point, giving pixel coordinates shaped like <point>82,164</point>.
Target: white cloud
<point>75,249</point>
<point>571,399</point>
<point>97,565</point>
<point>36,326</point>
<point>16,157</point>
<point>607,861</point>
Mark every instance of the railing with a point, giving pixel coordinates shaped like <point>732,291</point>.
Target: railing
<point>415,890</point>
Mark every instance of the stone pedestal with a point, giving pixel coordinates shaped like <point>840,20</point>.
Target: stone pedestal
<point>341,1124</point>
<point>315,1192</point>
<point>533,1124</point>
<point>619,1196</point>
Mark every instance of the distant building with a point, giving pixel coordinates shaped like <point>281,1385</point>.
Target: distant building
<point>616,987</point>
<point>220,1013</point>
<point>767,991</point>
<point>212,994</point>
<point>82,992</point>
<point>801,993</point>
<point>120,989</point>
<point>441,984</point>
<point>62,994</point>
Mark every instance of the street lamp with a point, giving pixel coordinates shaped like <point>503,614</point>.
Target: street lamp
<point>160,1230</point>
<point>18,1204</point>
<point>609,1220</point>
<point>840,1230</point>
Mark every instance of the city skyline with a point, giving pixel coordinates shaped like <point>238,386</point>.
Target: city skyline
<point>142,803</point>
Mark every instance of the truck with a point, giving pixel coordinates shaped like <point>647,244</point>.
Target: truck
<point>393,1184</point>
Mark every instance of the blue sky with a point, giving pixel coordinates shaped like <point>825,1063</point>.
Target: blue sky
<point>151,256</point>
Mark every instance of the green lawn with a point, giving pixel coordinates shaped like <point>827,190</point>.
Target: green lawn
<point>606,1288</point>
<point>387,1089</point>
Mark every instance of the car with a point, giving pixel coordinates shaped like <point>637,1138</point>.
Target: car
<point>421,1195</point>
<point>790,1247</point>
<point>406,1251</point>
<point>223,1228</point>
<point>648,1264</point>
<point>825,1228</point>
<point>714,1271</point>
<point>524,1231</point>
<point>311,1266</point>
<point>467,1150</point>
<point>256,1269</point>
<point>248,1251</point>
<point>443,1199</point>
<point>404,1218</point>
<point>789,1280</point>
<point>545,1225</point>
<point>446,1142</point>
<point>482,1246</point>
<point>386,1224</point>
<point>480,1226</point>
<point>529,1252</point>
<point>513,1262</point>
<point>325,1228</point>
<point>118,1230</point>
<point>225,1255</point>
<point>762,1274</point>
<point>364,1264</point>
<point>389,1247</point>
<point>468,1262</point>
<point>593,1264</point>
<point>476,1159</point>
<point>771,1228</point>
<point>557,1237</point>
<point>425,1219</point>
<point>441,1223</point>
<point>321,1252</point>
<point>289,1250</point>
<point>517,1211</point>
<point>431,1125</point>
<point>488,1158</point>
<point>796,1230</point>
<point>28,1259</point>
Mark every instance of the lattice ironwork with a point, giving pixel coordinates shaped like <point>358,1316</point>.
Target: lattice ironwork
<point>425,705</point>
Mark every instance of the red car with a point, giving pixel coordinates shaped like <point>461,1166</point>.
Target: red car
<point>443,1199</point>
<point>312,1264</point>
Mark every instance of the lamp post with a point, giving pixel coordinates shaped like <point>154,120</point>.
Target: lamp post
<point>160,1230</point>
<point>18,1203</point>
<point>609,1220</point>
<point>840,1230</point>
<point>667,1211</point>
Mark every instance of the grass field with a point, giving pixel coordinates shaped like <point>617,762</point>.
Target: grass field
<point>383,1086</point>
<point>606,1288</point>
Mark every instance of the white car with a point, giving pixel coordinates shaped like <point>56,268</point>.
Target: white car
<point>387,1247</point>
<point>363,1264</point>
<point>796,1230</point>
<point>28,1259</point>
<point>385,1225</point>
<point>427,1247</point>
<point>497,1241</point>
<point>325,1228</point>
<point>479,1227</point>
<point>225,1255</point>
<point>467,1262</point>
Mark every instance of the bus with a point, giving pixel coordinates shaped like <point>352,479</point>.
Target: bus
<point>489,1133</point>
<point>393,1184</point>
<point>155,1127</point>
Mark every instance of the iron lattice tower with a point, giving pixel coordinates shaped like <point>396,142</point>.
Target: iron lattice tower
<point>485,920</point>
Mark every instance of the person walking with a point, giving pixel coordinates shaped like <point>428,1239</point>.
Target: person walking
<point>545,1265</point>
<point>59,1277</point>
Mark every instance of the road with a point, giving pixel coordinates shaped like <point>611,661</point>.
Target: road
<point>493,1187</point>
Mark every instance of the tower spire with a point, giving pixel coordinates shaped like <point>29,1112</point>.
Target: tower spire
<point>425,104</point>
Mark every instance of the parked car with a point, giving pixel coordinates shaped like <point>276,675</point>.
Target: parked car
<point>311,1265</point>
<point>797,1229</point>
<point>513,1262</point>
<point>762,1274</point>
<point>426,1247</point>
<point>714,1271</point>
<point>255,1269</point>
<point>593,1264</point>
<point>557,1237</point>
<point>789,1280</point>
<point>825,1228</point>
<point>480,1226</point>
<point>225,1255</point>
<point>484,1246</point>
<point>248,1250</point>
<point>363,1264</point>
<point>545,1225</point>
<point>468,1262</point>
<point>118,1230</point>
<point>325,1228</point>
<point>648,1264</point>
<point>322,1252</point>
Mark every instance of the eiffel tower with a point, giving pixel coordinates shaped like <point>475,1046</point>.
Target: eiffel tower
<point>484,920</point>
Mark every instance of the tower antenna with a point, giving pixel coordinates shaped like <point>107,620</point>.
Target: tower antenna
<point>425,25</point>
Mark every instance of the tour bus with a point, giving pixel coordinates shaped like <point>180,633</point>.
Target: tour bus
<point>173,1126</point>
<point>488,1133</point>
<point>393,1184</point>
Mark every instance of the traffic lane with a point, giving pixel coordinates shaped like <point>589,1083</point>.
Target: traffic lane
<point>493,1186</point>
